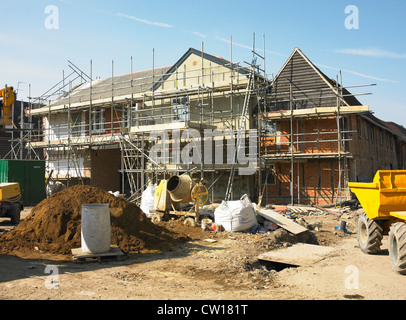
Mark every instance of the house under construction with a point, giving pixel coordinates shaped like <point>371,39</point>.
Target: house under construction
<point>303,134</point>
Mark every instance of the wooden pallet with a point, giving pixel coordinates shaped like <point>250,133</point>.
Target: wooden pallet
<point>113,254</point>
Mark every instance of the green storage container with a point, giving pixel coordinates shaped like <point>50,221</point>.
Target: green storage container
<point>30,174</point>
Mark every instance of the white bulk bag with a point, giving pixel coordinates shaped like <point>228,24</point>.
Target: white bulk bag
<point>236,215</point>
<point>147,200</point>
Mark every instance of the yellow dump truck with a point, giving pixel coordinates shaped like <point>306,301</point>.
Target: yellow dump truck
<point>10,201</point>
<point>384,203</point>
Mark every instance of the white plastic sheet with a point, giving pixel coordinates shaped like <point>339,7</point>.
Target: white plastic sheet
<point>147,200</point>
<point>54,187</point>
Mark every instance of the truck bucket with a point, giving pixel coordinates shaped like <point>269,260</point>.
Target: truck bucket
<point>385,196</point>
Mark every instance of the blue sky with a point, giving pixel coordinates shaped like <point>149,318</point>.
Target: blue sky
<point>103,31</point>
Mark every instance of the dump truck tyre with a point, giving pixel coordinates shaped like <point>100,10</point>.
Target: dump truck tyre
<point>370,234</point>
<point>397,247</point>
<point>15,214</point>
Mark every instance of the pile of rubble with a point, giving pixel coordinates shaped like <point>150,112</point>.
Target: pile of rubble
<point>290,223</point>
<point>54,225</point>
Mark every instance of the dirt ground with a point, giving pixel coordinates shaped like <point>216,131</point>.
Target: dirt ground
<point>227,269</point>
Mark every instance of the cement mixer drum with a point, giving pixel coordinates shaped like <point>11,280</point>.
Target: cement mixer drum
<point>179,188</point>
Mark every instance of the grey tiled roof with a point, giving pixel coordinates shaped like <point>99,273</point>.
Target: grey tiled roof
<point>120,85</point>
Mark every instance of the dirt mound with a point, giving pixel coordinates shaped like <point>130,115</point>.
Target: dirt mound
<point>54,225</point>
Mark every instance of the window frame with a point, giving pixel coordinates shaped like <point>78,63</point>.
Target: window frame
<point>181,108</point>
<point>98,120</point>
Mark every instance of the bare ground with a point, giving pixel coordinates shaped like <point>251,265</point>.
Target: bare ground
<point>227,269</point>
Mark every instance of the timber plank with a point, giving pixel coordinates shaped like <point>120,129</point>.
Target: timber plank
<point>300,254</point>
<point>281,221</point>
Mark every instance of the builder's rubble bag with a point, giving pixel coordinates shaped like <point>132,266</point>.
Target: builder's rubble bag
<point>236,215</point>
<point>147,200</point>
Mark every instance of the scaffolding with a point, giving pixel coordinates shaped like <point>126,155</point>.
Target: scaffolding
<point>133,113</point>
<point>293,145</point>
<point>129,112</point>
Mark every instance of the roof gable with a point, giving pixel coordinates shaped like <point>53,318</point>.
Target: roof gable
<point>308,85</point>
<point>191,65</point>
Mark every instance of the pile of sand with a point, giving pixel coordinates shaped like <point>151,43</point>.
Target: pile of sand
<point>54,225</point>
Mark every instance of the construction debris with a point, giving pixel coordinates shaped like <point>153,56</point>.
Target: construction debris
<point>281,221</point>
<point>328,210</point>
<point>210,240</point>
<point>54,225</point>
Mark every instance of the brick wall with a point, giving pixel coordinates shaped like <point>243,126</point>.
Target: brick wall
<point>309,136</point>
<point>371,148</point>
<point>314,182</point>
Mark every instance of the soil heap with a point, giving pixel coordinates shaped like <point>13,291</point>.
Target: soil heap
<point>54,225</point>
